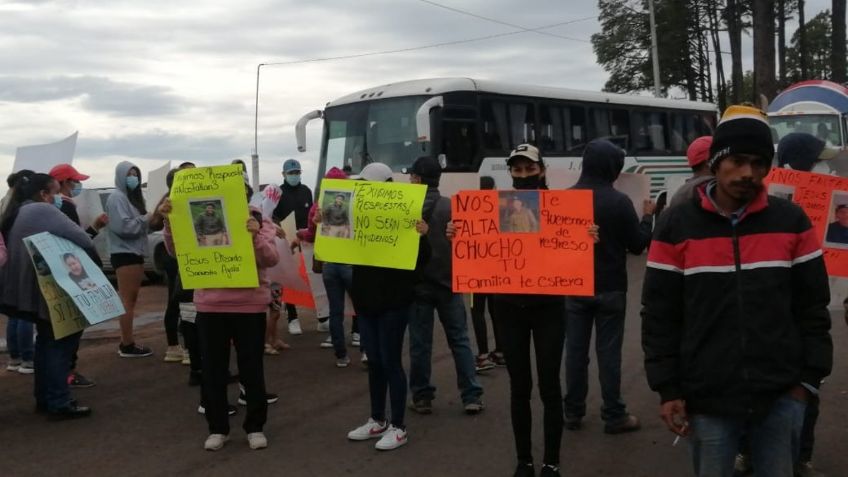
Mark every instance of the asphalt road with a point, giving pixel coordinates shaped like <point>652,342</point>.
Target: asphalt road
<point>145,421</point>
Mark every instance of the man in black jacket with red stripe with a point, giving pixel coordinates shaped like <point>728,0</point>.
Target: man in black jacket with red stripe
<point>735,322</point>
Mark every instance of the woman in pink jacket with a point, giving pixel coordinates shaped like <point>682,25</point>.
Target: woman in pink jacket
<point>234,315</point>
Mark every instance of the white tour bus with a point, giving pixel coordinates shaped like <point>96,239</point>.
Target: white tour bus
<point>472,125</point>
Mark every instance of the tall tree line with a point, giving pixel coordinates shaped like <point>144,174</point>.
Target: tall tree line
<point>697,37</point>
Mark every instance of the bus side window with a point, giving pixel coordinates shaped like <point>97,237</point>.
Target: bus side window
<point>649,132</point>
<point>685,127</point>
<point>575,128</point>
<point>610,124</point>
<point>522,123</point>
<point>495,128</point>
<point>459,144</point>
<point>552,129</point>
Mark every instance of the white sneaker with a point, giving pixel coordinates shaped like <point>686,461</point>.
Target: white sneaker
<point>26,367</point>
<point>392,439</point>
<point>327,343</point>
<point>354,339</point>
<point>257,440</point>
<point>215,441</point>
<point>323,326</point>
<point>294,327</point>
<point>371,430</point>
<point>13,365</point>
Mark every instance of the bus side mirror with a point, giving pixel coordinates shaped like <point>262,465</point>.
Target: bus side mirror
<point>422,117</point>
<point>300,128</point>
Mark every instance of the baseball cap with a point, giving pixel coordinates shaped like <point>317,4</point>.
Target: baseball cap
<point>699,150</point>
<point>291,165</point>
<point>375,171</point>
<point>425,166</point>
<point>64,172</point>
<point>526,150</point>
<point>801,150</point>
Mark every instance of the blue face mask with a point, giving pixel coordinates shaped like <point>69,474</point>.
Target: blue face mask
<point>132,182</point>
<point>77,190</point>
<point>57,201</point>
<point>292,179</point>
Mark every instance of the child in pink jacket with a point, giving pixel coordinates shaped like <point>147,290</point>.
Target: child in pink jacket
<point>234,315</point>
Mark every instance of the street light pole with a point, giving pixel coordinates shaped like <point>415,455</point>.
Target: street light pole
<point>654,49</point>
<point>254,158</point>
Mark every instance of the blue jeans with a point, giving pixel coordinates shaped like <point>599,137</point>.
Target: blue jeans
<point>52,365</point>
<point>451,311</point>
<point>606,312</point>
<point>19,339</point>
<point>382,337</point>
<point>714,441</point>
<point>338,279</point>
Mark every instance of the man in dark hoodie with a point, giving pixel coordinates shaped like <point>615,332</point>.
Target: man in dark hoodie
<point>620,232</point>
<point>434,294</point>
<point>296,199</point>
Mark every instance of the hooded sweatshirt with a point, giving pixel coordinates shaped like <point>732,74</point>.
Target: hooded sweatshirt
<point>127,227</point>
<point>619,227</point>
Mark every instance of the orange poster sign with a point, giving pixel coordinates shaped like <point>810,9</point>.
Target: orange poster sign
<point>523,241</point>
<point>825,200</point>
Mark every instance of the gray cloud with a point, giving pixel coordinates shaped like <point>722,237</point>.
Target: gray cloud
<point>158,144</point>
<point>97,93</point>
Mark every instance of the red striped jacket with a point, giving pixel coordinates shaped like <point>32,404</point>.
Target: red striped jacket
<point>734,314</point>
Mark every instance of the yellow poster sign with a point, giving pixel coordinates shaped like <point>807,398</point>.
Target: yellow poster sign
<point>65,316</point>
<point>209,225</point>
<point>369,223</point>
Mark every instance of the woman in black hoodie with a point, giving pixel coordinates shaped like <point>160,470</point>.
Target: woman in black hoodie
<point>542,317</point>
<point>383,300</point>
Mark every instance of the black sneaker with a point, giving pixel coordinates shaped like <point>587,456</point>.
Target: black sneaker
<point>270,398</point>
<point>231,410</point>
<point>71,411</point>
<point>573,423</point>
<point>474,407</point>
<point>77,380</point>
<point>549,471</point>
<point>524,470</point>
<point>422,406</point>
<point>134,351</point>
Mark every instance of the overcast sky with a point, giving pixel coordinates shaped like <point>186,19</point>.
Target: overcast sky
<point>164,80</point>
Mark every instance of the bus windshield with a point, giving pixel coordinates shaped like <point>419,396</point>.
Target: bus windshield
<point>823,126</point>
<point>372,131</point>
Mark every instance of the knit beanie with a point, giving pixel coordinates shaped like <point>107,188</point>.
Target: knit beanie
<point>742,130</point>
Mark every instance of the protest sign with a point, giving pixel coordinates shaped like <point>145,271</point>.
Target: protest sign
<point>288,275</point>
<point>369,223</point>
<point>637,187</point>
<point>42,157</point>
<point>523,241</point>
<point>821,197</point>
<point>208,222</point>
<point>76,291</point>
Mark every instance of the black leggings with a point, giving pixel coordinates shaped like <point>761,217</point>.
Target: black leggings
<point>478,320</point>
<point>546,325</point>
<point>172,310</point>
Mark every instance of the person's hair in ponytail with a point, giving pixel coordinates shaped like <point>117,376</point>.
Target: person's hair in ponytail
<point>28,187</point>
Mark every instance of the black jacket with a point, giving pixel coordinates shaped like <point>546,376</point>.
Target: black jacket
<point>735,315</point>
<point>376,290</point>
<point>619,227</point>
<point>297,199</point>
<point>437,214</point>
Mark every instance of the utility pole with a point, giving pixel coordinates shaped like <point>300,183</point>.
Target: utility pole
<point>654,50</point>
<point>254,158</point>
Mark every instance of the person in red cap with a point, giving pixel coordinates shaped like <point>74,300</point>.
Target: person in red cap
<point>70,186</point>
<point>697,155</point>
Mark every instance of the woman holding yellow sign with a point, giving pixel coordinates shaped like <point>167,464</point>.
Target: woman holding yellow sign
<point>234,315</point>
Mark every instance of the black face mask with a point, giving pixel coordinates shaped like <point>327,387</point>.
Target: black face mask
<point>527,183</point>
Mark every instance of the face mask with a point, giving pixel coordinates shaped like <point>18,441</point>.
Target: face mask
<point>57,201</point>
<point>132,182</point>
<point>292,180</point>
<point>527,183</point>
<point>77,190</point>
